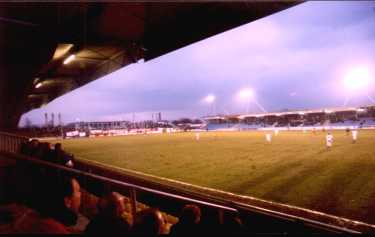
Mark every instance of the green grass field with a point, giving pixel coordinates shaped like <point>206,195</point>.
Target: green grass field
<point>296,168</point>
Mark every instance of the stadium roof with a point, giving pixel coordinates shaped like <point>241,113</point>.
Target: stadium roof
<point>37,39</point>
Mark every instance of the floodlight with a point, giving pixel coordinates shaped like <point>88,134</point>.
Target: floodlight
<point>357,79</point>
<point>301,113</point>
<point>246,93</point>
<point>69,59</point>
<point>210,98</point>
<point>38,85</point>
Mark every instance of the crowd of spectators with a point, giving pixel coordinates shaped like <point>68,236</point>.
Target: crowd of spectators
<point>111,219</point>
<point>54,207</point>
<point>47,152</point>
<point>57,204</point>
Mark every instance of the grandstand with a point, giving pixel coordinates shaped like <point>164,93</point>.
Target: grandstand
<point>327,118</point>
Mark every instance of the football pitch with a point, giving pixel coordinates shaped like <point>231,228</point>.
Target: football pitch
<point>295,168</point>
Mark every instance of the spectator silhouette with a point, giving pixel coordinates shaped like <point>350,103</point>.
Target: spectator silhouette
<point>61,157</point>
<point>189,221</point>
<point>56,204</point>
<point>33,148</point>
<point>60,199</point>
<point>109,220</point>
<point>25,148</point>
<point>232,225</point>
<point>44,151</point>
<point>148,222</point>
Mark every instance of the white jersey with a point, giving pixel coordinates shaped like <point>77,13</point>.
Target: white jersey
<point>197,136</point>
<point>354,134</point>
<point>329,139</point>
<point>268,137</point>
<point>276,132</point>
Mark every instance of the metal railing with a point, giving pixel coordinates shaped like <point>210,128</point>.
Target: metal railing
<point>10,142</point>
<point>232,207</point>
<point>133,189</point>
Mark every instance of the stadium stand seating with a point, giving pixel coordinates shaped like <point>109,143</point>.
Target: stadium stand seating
<point>360,123</point>
<point>337,118</point>
<point>232,126</point>
<point>367,122</point>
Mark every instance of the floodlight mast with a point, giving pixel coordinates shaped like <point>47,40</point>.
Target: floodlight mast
<point>210,99</point>
<point>370,98</point>
<point>357,80</point>
<point>246,95</point>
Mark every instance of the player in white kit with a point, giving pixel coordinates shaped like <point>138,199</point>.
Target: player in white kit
<point>354,136</point>
<point>197,136</point>
<point>329,140</point>
<point>268,137</point>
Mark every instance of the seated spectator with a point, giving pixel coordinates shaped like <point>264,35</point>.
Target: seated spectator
<point>25,148</point>
<point>56,206</point>
<point>33,148</point>
<point>109,220</point>
<point>23,220</point>
<point>189,221</point>
<point>60,200</point>
<point>148,222</point>
<point>61,157</point>
<point>232,225</point>
<point>44,151</point>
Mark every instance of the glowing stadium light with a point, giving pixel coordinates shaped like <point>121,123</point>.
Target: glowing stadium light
<point>357,79</point>
<point>69,59</point>
<point>209,99</point>
<point>301,113</point>
<point>38,85</point>
<point>246,93</point>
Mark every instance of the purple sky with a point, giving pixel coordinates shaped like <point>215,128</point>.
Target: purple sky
<point>294,59</point>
